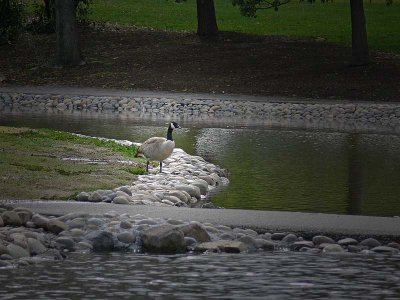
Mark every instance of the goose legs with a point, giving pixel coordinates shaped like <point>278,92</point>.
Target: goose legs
<point>147,166</point>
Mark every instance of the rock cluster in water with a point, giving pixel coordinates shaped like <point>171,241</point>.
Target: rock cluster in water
<point>277,112</point>
<point>27,237</point>
<point>186,181</point>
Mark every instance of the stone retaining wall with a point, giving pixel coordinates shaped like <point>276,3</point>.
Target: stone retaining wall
<point>327,115</point>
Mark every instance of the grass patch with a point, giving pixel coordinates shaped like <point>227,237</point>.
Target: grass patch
<point>39,137</point>
<point>135,170</point>
<point>32,166</point>
<point>329,20</point>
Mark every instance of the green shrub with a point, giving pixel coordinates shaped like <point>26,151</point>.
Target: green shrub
<point>44,16</point>
<point>11,18</point>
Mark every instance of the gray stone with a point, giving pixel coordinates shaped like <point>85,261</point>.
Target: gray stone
<point>332,248</point>
<point>222,246</point>
<point>25,216</point>
<point>35,247</point>
<point>120,200</point>
<point>277,236</point>
<point>56,226</point>
<point>66,243</point>
<point>95,197</point>
<point>84,246</point>
<point>385,249</point>
<point>126,237</point>
<point>101,240</point>
<point>175,222</point>
<point>126,190</point>
<point>76,223</point>
<point>297,245</point>
<point>6,257</point>
<point>347,242</point>
<point>180,195</point>
<point>95,221</point>
<point>11,218</point>
<point>1,222</point>
<point>248,241</point>
<point>394,245</point>
<point>125,224</point>
<point>289,238</point>
<point>3,248</point>
<point>321,239</point>
<point>189,241</point>
<point>4,264</point>
<point>195,231</point>
<point>83,197</point>
<point>202,185</point>
<point>354,248</point>
<point>193,191</point>
<point>164,238</point>
<point>370,243</point>
<point>17,251</point>
<point>19,239</point>
<point>147,222</point>
<point>265,244</point>
<point>40,221</point>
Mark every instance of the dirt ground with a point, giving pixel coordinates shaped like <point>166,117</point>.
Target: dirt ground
<point>130,58</point>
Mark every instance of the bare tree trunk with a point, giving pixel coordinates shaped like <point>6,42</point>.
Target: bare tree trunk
<point>67,45</point>
<point>360,53</point>
<point>206,20</point>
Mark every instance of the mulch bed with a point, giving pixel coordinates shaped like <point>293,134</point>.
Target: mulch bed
<point>234,63</point>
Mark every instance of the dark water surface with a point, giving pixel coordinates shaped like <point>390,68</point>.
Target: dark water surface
<point>279,275</point>
<point>271,169</point>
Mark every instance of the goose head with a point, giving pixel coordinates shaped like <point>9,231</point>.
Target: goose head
<point>173,125</point>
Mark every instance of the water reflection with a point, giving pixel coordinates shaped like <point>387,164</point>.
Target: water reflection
<point>271,169</point>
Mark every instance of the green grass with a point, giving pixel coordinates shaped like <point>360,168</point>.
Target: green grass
<point>330,20</point>
<point>36,163</point>
<point>41,135</point>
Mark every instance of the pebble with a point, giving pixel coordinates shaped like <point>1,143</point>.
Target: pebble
<point>370,243</point>
<point>320,239</point>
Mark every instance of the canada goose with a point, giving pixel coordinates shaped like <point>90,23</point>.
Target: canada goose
<point>158,148</point>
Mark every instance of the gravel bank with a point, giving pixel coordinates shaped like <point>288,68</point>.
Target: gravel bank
<point>274,112</point>
<point>27,237</point>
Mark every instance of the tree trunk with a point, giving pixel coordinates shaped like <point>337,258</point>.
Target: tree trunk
<point>360,55</point>
<point>206,20</point>
<point>67,45</point>
<point>47,9</point>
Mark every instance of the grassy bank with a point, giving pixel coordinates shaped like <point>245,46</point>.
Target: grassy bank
<point>329,20</point>
<point>47,164</point>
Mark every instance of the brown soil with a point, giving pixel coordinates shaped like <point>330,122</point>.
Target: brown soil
<point>129,58</point>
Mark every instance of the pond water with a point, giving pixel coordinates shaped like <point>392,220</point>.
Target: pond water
<point>270,168</point>
<point>279,275</point>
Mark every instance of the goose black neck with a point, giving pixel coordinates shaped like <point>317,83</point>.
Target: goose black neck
<point>169,134</point>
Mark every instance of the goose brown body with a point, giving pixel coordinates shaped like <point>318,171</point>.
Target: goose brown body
<point>158,148</point>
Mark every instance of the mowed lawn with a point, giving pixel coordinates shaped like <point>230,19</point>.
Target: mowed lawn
<point>326,20</point>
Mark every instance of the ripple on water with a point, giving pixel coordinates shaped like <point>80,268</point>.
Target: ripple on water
<point>214,276</point>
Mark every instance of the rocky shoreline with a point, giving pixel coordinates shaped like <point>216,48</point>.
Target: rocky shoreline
<point>328,115</point>
<point>186,181</point>
<point>27,238</point>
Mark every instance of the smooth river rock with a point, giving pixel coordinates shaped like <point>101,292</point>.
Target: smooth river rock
<point>222,246</point>
<point>164,238</point>
<point>11,218</point>
<point>56,226</point>
<point>101,240</point>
